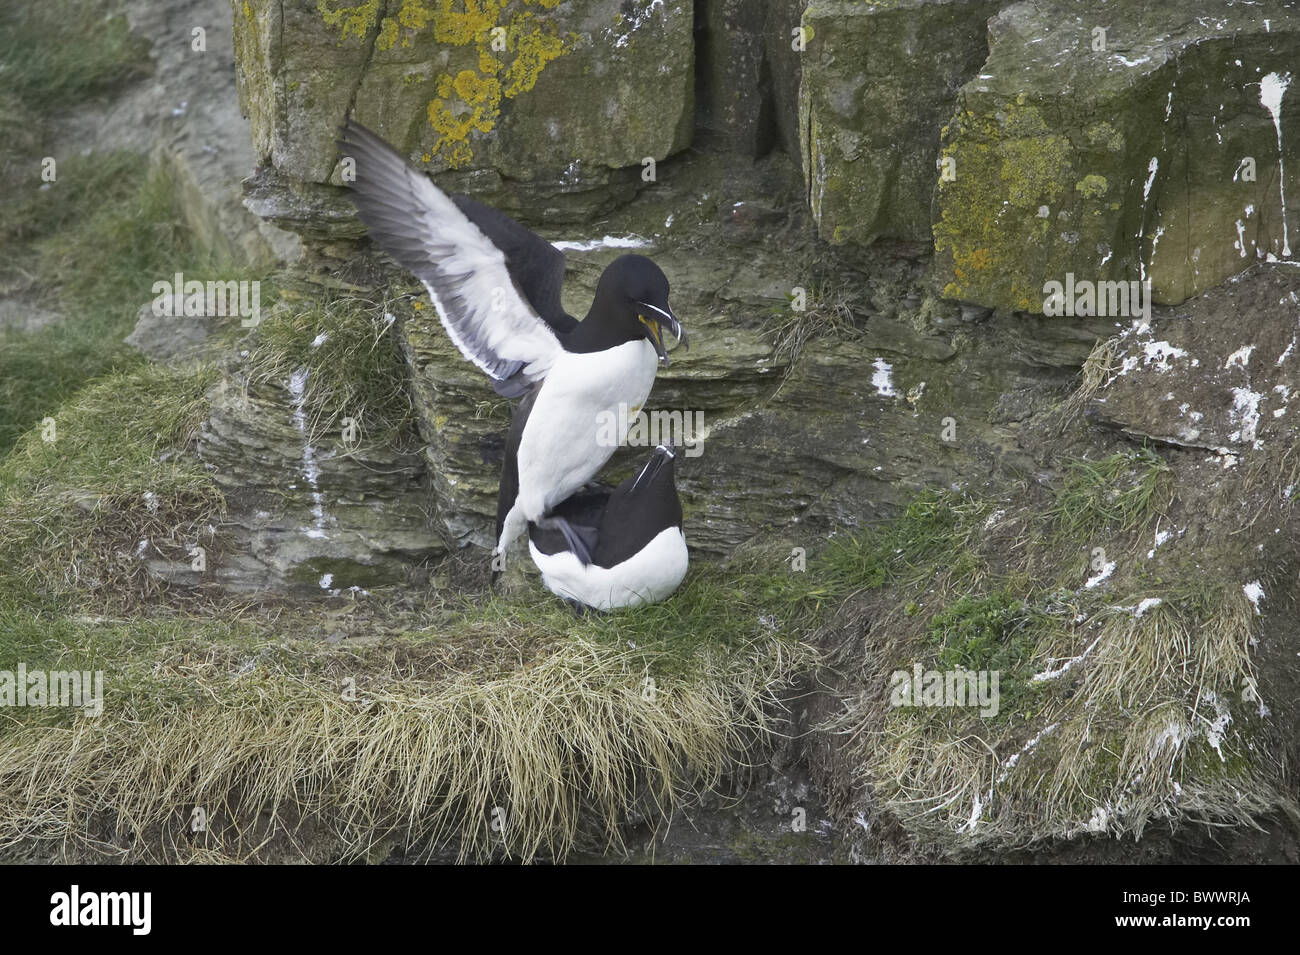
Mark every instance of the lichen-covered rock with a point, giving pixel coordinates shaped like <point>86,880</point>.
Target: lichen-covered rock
<point>522,96</point>
<point>1112,147</point>
<point>879,81</point>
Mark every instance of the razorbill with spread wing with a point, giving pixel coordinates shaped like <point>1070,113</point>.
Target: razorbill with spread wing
<point>630,549</point>
<point>496,288</point>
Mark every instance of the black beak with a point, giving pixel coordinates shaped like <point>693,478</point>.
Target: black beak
<point>655,320</point>
<point>658,458</point>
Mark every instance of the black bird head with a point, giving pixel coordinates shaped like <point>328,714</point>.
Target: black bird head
<point>635,290</point>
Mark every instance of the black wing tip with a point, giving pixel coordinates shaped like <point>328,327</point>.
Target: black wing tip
<point>350,127</point>
<point>355,136</point>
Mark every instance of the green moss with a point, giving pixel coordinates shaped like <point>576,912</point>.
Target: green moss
<point>991,632</point>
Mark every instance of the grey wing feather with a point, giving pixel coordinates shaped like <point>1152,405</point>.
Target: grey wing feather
<point>480,305</point>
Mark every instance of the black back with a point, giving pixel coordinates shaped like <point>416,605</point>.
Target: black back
<point>637,512</point>
<point>536,266</point>
<point>583,510</point>
<point>625,519</point>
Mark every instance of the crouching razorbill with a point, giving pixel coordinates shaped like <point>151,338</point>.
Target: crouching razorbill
<point>496,287</point>
<point>629,547</point>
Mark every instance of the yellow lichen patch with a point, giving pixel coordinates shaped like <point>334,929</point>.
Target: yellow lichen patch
<point>534,43</point>
<point>513,45</point>
<point>1033,169</point>
<point>977,260</point>
<point>414,15</point>
<point>473,89</point>
<point>354,19</point>
<point>1092,186</point>
<point>522,47</point>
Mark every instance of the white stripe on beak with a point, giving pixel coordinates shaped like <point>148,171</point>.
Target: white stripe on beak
<point>673,323</point>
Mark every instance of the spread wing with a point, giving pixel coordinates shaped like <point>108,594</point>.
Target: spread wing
<point>536,266</point>
<point>493,314</point>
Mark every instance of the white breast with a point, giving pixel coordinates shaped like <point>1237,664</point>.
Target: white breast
<point>648,576</point>
<point>569,436</point>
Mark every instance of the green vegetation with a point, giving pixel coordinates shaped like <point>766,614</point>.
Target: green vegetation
<point>79,495</point>
<point>80,253</point>
<point>89,248</point>
<point>1108,695</point>
<point>829,310</point>
<point>576,722</point>
<point>353,366</point>
<point>935,525</point>
<point>1117,492</point>
<point>992,632</point>
<point>264,733</point>
<point>61,51</point>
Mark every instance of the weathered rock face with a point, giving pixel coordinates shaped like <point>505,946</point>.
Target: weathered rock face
<point>734,84</point>
<point>884,369</point>
<point>187,116</point>
<point>747,69</point>
<point>305,511</point>
<point>879,81</point>
<point>854,428</point>
<point>1118,155</point>
<point>1226,374</point>
<point>527,101</point>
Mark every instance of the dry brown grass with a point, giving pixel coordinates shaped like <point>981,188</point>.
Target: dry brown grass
<point>1139,716</point>
<point>559,745</point>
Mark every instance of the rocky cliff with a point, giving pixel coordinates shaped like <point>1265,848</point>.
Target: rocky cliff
<point>994,311</point>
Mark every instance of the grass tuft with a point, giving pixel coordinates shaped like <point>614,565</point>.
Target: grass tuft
<point>1117,492</point>
<point>61,51</point>
<point>497,736</point>
<point>347,350</point>
<point>1119,705</point>
<point>85,498</point>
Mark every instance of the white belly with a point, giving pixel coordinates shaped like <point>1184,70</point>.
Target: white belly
<point>648,576</point>
<point>572,430</point>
